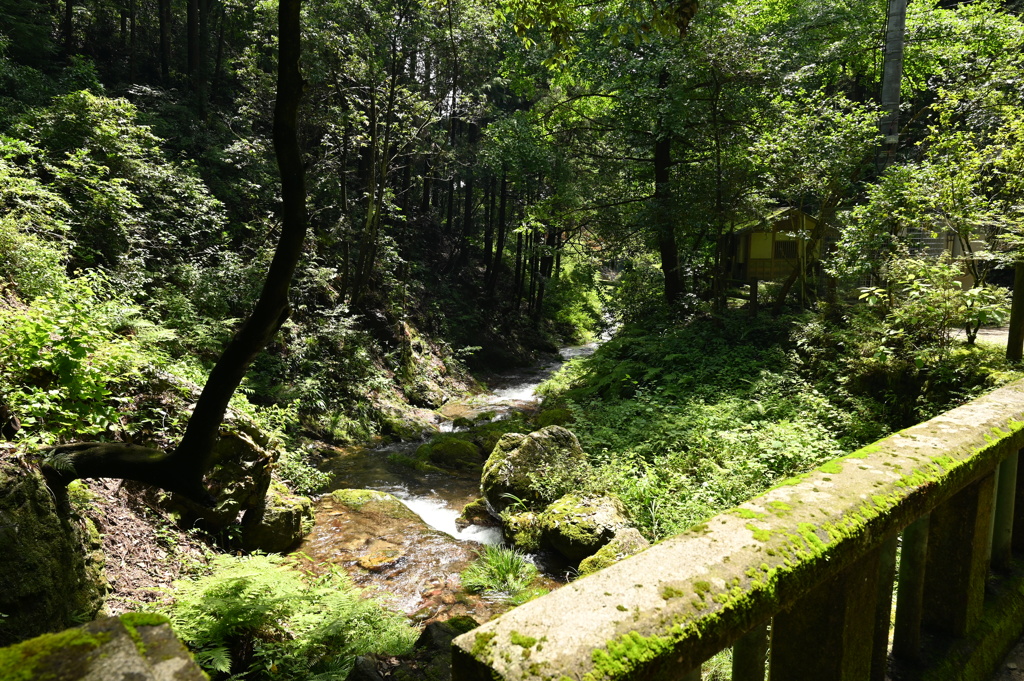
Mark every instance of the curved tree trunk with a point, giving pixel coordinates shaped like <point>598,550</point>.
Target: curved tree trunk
<point>182,470</point>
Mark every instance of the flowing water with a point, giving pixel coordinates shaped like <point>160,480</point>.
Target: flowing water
<point>413,562</point>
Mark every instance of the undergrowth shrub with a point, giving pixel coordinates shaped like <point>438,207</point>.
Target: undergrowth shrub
<point>64,358</point>
<point>499,572</point>
<point>258,617</point>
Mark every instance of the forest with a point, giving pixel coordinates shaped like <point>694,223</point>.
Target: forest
<point>244,245</point>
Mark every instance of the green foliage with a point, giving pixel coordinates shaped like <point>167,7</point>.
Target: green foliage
<point>690,419</point>
<point>62,357</point>
<point>259,618</point>
<point>926,303</point>
<point>573,303</point>
<point>499,572</point>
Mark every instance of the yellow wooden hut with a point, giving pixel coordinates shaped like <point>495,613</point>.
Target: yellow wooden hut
<point>771,247</point>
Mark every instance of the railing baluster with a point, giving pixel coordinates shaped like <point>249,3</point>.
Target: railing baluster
<point>883,608</point>
<point>828,634</point>
<point>1017,542</point>
<point>906,642</point>
<point>749,655</point>
<point>957,565</point>
<point>1002,533</point>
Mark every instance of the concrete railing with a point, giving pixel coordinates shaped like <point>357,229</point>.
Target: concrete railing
<point>813,561</point>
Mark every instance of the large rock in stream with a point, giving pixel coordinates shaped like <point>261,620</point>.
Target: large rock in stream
<point>578,526</point>
<point>389,550</point>
<point>532,471</point>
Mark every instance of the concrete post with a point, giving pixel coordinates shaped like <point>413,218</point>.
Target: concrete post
<point>1002,532</point>
<point>1017,540</point>
<point>957,564</point>
<point>749,655</point>
<point>883,608</point>
<point>828,635</point>
<point>906,642</point>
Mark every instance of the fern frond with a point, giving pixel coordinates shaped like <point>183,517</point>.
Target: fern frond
<point>60,461</point>
<point>216,659</point>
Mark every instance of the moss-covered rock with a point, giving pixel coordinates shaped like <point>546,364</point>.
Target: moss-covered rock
<point>50,566</point>
<point>558,416</point>
<point>134,647</point>
<point>279,524</point>
<point>534,470</point>
<point>452,452</point>
<point>625,543</point>
<point>522,530</point>
<point>476,513</point>
<point>373,502</point>
<point>577,526</point>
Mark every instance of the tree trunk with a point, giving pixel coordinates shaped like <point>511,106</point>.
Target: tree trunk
<point>68,28</point>
<point>668,250</point>
<point>488,227</point>
<point>499,249</point>
<point>164,12</point>
<point>182,470</point>
<point>192,31</point>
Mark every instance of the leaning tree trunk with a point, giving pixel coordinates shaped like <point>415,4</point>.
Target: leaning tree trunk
<point>182,470</point>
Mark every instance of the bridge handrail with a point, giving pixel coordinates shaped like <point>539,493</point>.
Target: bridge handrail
<point>815,556</point>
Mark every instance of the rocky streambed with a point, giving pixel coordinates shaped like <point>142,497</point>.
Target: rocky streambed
<point>393,526</point>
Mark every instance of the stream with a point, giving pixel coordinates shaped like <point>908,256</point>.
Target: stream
<point>412,562</point>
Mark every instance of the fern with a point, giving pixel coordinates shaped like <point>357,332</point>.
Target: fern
<point>60,461</point>
<point>259,617</point>
<point>216,659</point>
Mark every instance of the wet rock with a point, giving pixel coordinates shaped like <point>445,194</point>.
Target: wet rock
<point>279,523</point>
<point>476,513</point>
<point>452,452</point>
<point>432,655</point>
<point>51,567</point>
<point>534,470</point>
<point>133,647</point>
<point>625,543</point>
<point>380,556</point>
<point>577,526</point>
<point>389,550</point>
<point>365,669</point>
<point>371,502</point>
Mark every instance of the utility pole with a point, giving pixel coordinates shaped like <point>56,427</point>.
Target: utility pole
<point>892,75</point>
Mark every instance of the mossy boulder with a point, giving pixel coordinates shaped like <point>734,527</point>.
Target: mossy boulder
<point>534,470</point>
<point>558,416</point>
<point>373,502</point>
<point>625,543</point>
<point>476,513</point>
<point>279,524</point>
<point>522,530</point>
<point>451,452</point>
<point>133,647</point>
<point>51,568</point>
<point>426,393</point>
<point>406,425</point>
<point>578,526</point>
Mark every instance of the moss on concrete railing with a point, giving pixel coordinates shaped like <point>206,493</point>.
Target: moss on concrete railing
<point>662,612</point>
